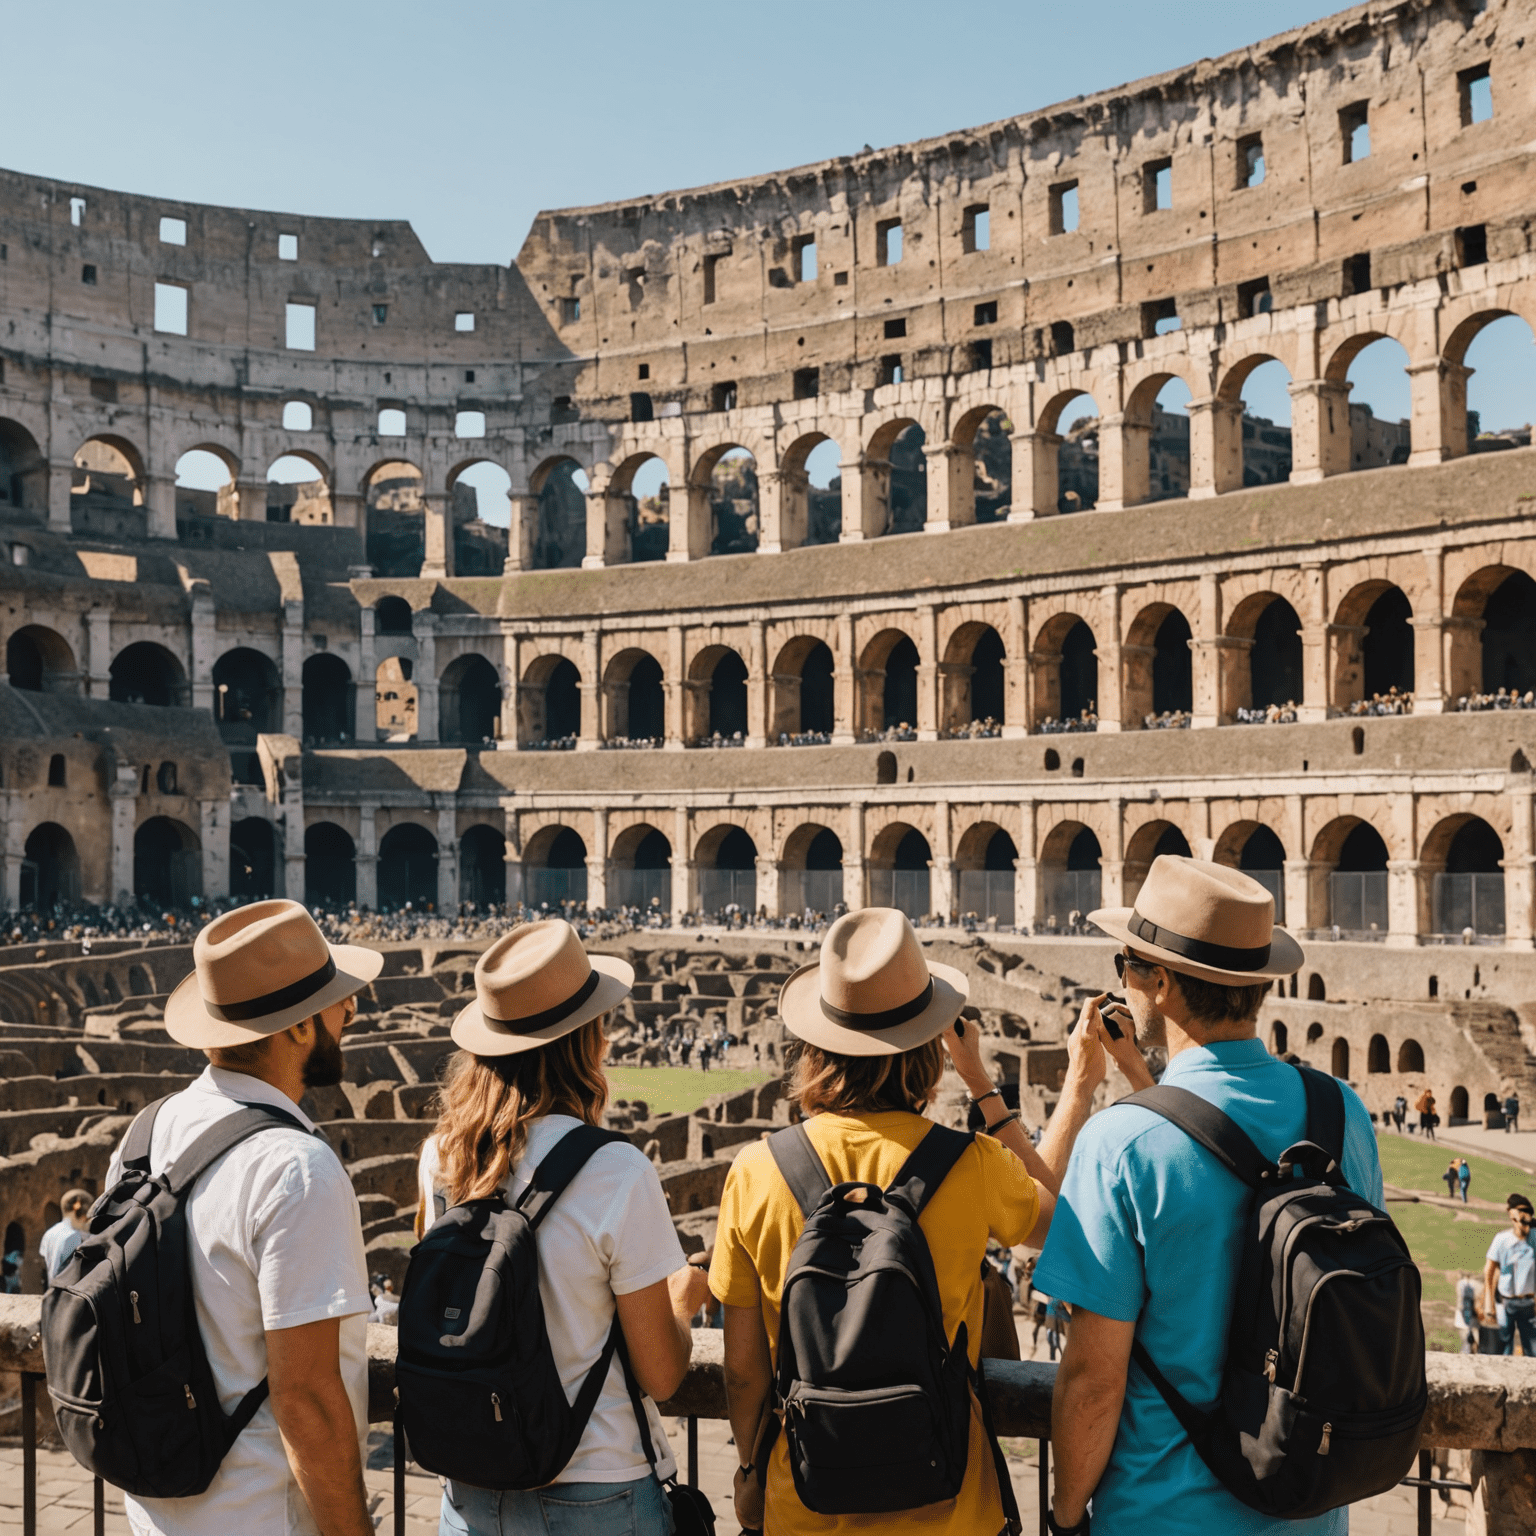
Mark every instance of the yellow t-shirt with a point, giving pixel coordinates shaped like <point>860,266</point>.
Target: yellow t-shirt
<point>988,1192</point>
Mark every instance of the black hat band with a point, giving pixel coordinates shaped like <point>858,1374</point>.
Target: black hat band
<point>1220,957</point>
<point>532,1023</point>
<point>279,1001</point>
<point>887,1019</point>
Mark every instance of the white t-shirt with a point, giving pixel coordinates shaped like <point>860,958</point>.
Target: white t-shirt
<point>277,1242</point>
<point>609,1234</point>
<point>59,1241</point>
<point>1516,1259</point>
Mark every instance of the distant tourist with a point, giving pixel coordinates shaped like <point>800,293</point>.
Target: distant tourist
<point>1058,1320</point>
<point>1509,1279</point>
<point>386,1305</point>
<point>1427,1117</point>
<point>1450,1177</point>
<point>1399,1112</point>
<point>63,1237</point>
<point>1464,1179</point>
<point>10,1271</point>
<point>1512,1112</point>
<point>1467,1320</point>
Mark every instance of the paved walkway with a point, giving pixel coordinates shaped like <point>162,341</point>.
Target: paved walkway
<point>1515,1147</point>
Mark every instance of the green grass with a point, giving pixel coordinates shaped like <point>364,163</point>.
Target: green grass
<point>1411,1163</point>
<point>679,1090</point>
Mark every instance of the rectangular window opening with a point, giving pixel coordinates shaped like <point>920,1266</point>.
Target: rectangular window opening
<point>1476,87</point>
<point>722,397</point>
<point>469,424</point>
<point>807,383</point>
<point>88,274</point>
<point>839,279</point>
<point>895,328</point>
<point>76,210</point>
<point>1063,338</point>
<point>1252,299</point>
<point>287,247</point>
<point>640,407</point>
<point>464,320</point>
<point>1064,208</point>
<point>570,311</point>
<point>299,333</point>
<point>1355,131</point>
<point>805,258</point>
<point>976,230</point>
<point>644,371</point>
<point>981,355</point>
<point>985,314</point>
<point>298,416</point>
<point>1159,317</point>
<point>1357,274</point>
<point>391,422</point>
<point>1157,184</point>
<point>888,243</point>
<point>172,231</point>
<point>1250,160</point>
<point>712,274</point>
<point>380,314</point>
<point>890,369</point>
<point>1472,245</point>
<point>104,390</point>
<point>171,309</point>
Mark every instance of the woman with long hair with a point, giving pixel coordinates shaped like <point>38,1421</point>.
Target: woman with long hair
<point>529,1070</point>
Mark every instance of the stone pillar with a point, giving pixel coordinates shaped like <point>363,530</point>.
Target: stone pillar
<point>1460,664</point>
<point>1503,1493</point>
<point>844,684</point>
<point>365,713</point>
<point>597,859</point>
<point>292,668</point>
<point>1220,679</point>
<point>160,503</point>
<point>350,510</point>
<point>1125,474</point>
<point>124,794</point>
<point>213,832</point>
<point>1429,638</point>
<point>768,894</point>
<point>759,725</point>
<point>951,488</point>
<point>522,534</point>
<point>675,687</point>
<point>61,480</point>
<point>1215,447</point>
<point>437,515</point>
<point>1298,896</point>
<point>1026,890</point>
<point>607,529</point>
<point>1520,866</point>
<point>251,499</point>
<point>424,675</point>
<point>927,721</point>
<point>447,855</point>
<point>1111,700</point>
<point>1016,671</point>
<point>1036,475</point>
<point>1112,860</point>
<point>204,645</point>
<point>366,861</point>
<point>295,865</point>
<point>1402,903</point>
<point>866,499</point>
<point>682,866</point>
<point>591,737</point>
<point>1438,390</point>
<point>854,897</point>
<point>941,889</point>
<point>1202,844</point>
<point>1314,645</point>
<point>98,655</point>
<point>1320,431</point>
<point>690,530</point>
<point>783,510</point>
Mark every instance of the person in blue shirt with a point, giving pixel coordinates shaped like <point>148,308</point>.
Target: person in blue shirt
<point>63,1237</point>
<point>1148,1227</point>
<point>1509,1279</point>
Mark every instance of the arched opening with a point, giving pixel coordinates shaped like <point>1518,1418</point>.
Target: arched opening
<point>887,684</point>
<point>640,871</point>
<point>1501,388</point>
<point>1160,687</point>
<point>252,859</point>
<point>803,695</point>
<point>647,483</point>
<point>1380,407</point>
<point>328,696</point>
<point>107,489</point>
<point>900,871</point>
<point>1357,885</point>
<point>735,523</point>
<point>1387,649</point>
<point>407,867</point>
<point>972,679</point>
<point>330,866</point>
<point>717,693</point>
<point>819,459</point>
<point>1150,841</point>
<point>561,540</point>
<point>1340,1062</point>
<point>811,872</point>
<point>392,616</point>
<point>1274,665</point>
<point>984,874</point>
<point>1263,859</point>
<point>1378,1056</point>
<point>1077,457</point>
<point>907,497</point>
<point>1168,446</point>
<point>992,468</point>
<point>1459,1106</point>
<point>549,703</point>
<point>554,868</point>
<point>1066,672</point>
<point>1279,1039</point>
<point>297,492</point>
<point>1262,385</point>
<point>50,868</point>
<point>1316,993</point>
<point>247,696</point>
<point>205,488</point>
<point>397,534</point>
<point>635,700</point>
<point>1410,1056</point>
<point>727,860</point>
<point>23,469</point>
<point>1070,878</point>
<point>483,867</point>
<point>1468,892</point>
<point>469,702</point>
<point>40,661</point>
<point>1509,640</point>
<point>394,696</point>
<point>146,673</point>
<point>167,862</point>
<point>481,515</point>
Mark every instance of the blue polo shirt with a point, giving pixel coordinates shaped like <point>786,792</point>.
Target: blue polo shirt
<point>1149,1226</point>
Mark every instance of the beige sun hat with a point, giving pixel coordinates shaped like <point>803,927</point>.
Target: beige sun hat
<point>534,985</point>
<point>258,970</point>
<point>872,992</point>
<point>1205,920</point>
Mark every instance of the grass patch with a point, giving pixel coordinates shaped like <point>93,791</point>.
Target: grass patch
<point>1440,1242</point>
<point>1410,1163</point>
<point>680,1090</point>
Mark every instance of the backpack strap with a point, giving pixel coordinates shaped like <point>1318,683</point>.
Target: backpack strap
<point>928,1165</point>
<point>220,1138</point>
<point>136,1142</point>
<point>557,1168</point>
<point>1193,1422</point>
<point>1216,1131</point>
<point>802,1168</point>
<point>1013,1525</point>
<point>1325,1113</point>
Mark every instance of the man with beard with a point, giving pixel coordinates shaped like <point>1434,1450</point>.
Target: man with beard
<point>276,1243</point>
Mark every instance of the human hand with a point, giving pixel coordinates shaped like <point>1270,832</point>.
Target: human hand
<point>963,1042</point>
<point>689,1289</point>
<point>747,1495</point>
<point>1086,1061</point>
<point>1124,1051</point>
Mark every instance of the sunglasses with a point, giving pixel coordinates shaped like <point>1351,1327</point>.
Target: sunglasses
<point>1125,962</point>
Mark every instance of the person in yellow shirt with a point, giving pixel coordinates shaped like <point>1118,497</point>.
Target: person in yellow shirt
<point>874,1019</point>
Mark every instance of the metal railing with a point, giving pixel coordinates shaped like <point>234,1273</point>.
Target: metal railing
<point>1481,1403</point>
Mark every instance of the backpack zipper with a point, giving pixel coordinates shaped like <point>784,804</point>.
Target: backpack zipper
<point>1291,1239</point>
<point>1271,1364</point>
<point>191,1401</point>
<point>496,1406</point>
<point>133,1301</point>
<point>1323,1444</point>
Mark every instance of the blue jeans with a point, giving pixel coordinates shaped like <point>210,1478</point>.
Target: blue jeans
<point>640,1508</point>
<point>1521,1315</point>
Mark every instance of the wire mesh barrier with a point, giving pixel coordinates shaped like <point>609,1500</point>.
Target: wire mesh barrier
<point>1474,901</point>
<point>820,890</point>
<point>1273,881</point>
<point>640,887</point>
<point>722,888</point>
<point>1065,891</point>
<point>1357,902</point>
<point>905,889</point>
<point>537,886</point>
<point>986,892</point>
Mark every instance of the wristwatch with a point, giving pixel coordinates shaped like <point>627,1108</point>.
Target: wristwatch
<point>1080,1529</point>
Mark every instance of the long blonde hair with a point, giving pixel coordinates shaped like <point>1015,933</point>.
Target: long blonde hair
<point>486,1103</point>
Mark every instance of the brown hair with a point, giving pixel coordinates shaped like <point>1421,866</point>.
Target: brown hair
<point>1218,1002</point>
<point>824,1082</point>
<point>486,1103</point>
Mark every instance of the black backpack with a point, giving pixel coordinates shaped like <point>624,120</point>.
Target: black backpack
<point>132,1390</point>
<point>1324,1390</point>
<point>876,1402</point>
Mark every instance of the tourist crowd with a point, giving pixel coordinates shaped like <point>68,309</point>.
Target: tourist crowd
<point>974,730</point>
<point>1389,703</point>
<point>1505,698</point>
<point>1268,714</point>
<point>1168,720</point>
<point>1088,720</point>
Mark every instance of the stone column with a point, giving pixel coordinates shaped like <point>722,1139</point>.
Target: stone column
<point>759,724</point>
<point>607,529</point>
<point>213,833</point>
<point>98,664</point>
<point>295,865</point>
<point>1017,673</point>
<point>1520,866</point>
<point>522,534</point>
<point>1298,895</point>
<point>768,894</point>
<point>437,514</point>
<point>424,627</point>
<point>597,860</point>
<point>366,861</point>
<point>447,855</point>
<point>1438,390</point>
<point>866,499</point>
<point>1026,891</point>
<point>1460,664</point>
<point>1110,702</point>
<point>1429,638</point>
<point>591,737</point>
<point>783,510</point>
<point>844,684</point>
<point>1124,469</point>
<point>1112,860</point>
<point>1402,903</point>
<point>160,503</point>
<point>1220,674</point>
<point>1314,645</point>
<point>1036,475</point>
<point>251,498</point>
<point>61,480</point>
<point>682,866</point>
<point>942,896</point>
<point>690,531</point>
<point>1202,844</point>
<point>365,712</point>
<point>951,488</point>
<point>292,668</point>
<point>674,685</point>
<point>1215,447</point>
<point>853,858</point>
<point>927,721</point>
<point>1320,432</point>
<point>350,510</point>
<point>124,794</point>
<point>203,650</point>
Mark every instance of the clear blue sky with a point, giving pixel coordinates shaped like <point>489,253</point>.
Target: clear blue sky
<point>466,117</point>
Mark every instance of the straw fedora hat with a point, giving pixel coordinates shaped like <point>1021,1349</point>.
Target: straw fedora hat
<point>872,992</point>
<point>1205,920</point>
<point>258,970</point>
<point>534,985</point>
